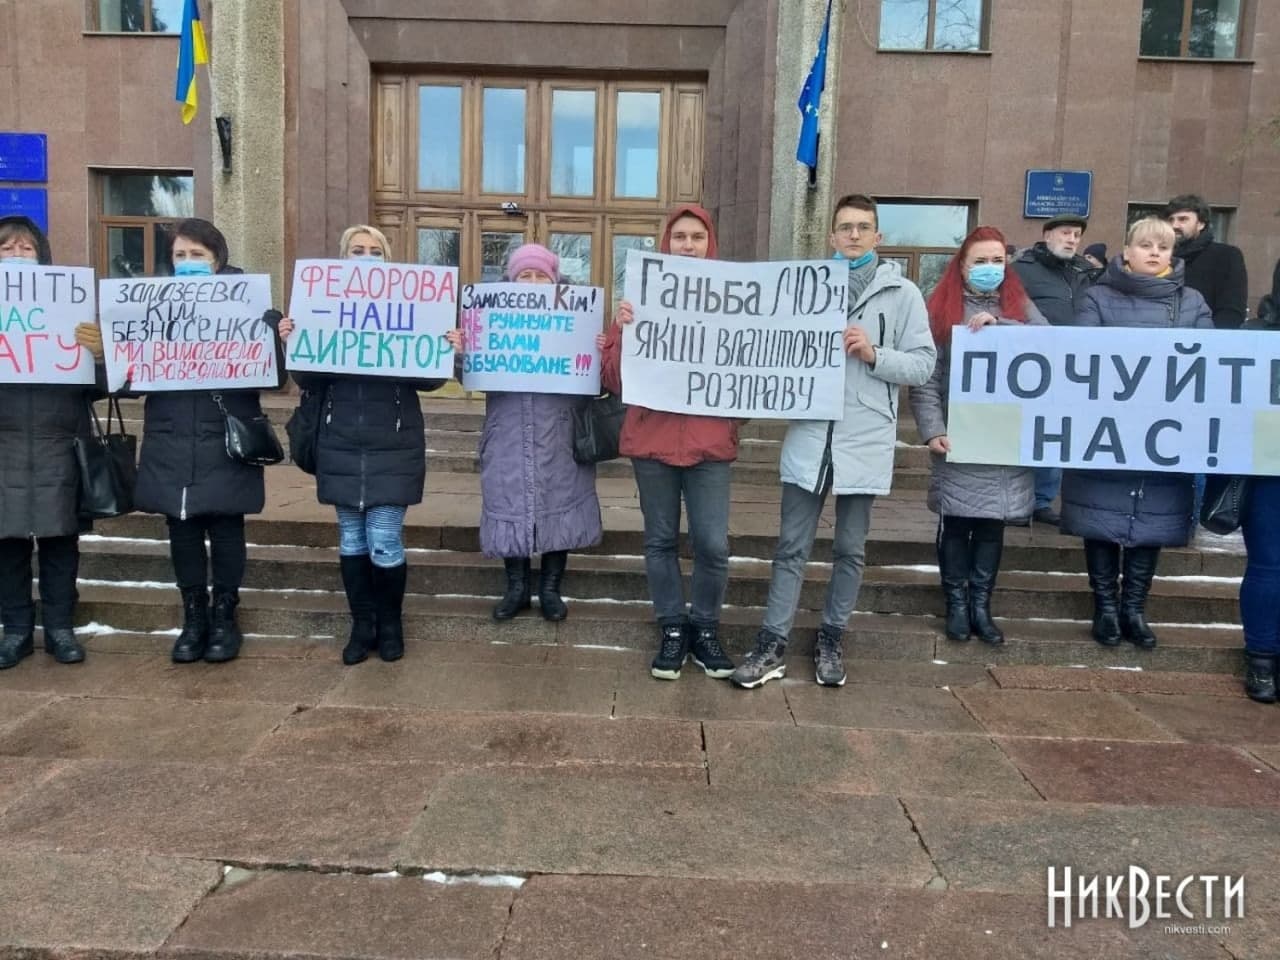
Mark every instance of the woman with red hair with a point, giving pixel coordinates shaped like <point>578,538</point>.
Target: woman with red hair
<point>973,501</point>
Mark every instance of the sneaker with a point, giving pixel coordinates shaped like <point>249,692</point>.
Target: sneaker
<point>672,653</point>
<point>828,658</point>
<point>762,664</point>
<point>708,654</point>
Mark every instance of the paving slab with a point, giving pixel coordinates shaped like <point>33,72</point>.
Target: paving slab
<point>926,673</point>
<point>269,915</point>
<point>253,813</point>
<point>14,706</point>
<point>861,761</point>
<point>1144,774</point>
<point>1267,754</point>
<point>695,696</point>
<point>20,775</point>
<point>1213,720</point>
<point>492,824</point>
<point>1067,713</point>
<point>639,918</point>
<point>450,687</point>
<point>255,647</point>
<point>879,707</point>
<point>247,679</point>
<point>1116,681</point>
<point>57,903</point>
<point>86,728</point>
<point>108,675</point>
<point>1009,846</point>
<point>657,749</point>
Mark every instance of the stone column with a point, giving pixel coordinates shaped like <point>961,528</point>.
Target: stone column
<point>246,67</point>
<point>798,224</point>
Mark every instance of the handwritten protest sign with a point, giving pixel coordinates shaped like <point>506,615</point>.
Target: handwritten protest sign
<point>188,333</point>
<point>374,319</point>
<point>531,337</point>
<point>735,339</point>
<point>1184,401</point>
<point>39,310</point>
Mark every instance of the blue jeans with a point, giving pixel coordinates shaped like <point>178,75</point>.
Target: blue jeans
<point>1048,485</point>
<point>1199,499</point>
<point>375,531</point>
<point>1259,611</point>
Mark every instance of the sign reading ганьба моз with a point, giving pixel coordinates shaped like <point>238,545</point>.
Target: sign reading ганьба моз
<point>1116,398</point>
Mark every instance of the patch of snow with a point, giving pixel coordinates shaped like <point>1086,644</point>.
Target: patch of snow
<point>600,646</point>
<point>479,879</point>
<point>389,875</point>
<point>912,567</point>
<point>1127,669</point>
<point>939,663</point>
<point>99,538</point>
<point>1230,581</point>
<point>96,629</point>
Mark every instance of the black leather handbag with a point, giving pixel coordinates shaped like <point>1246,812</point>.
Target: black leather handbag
<point>1226,497</point>
<point>108,464</point>
<point>253,440</point>
<point>597,426</point>
<point>303,430</point>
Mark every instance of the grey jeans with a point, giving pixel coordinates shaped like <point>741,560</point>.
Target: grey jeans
<point>799,526</point>
<point>705,488</point>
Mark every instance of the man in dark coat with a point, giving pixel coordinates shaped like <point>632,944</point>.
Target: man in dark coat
<point>1055,276</point>
<point>1216,270</point>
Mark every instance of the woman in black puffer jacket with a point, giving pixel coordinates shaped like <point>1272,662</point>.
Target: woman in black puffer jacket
<point>184,472</point>
<point>40,485</point>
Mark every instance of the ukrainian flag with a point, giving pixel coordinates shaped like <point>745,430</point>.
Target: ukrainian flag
<point>192,50</point>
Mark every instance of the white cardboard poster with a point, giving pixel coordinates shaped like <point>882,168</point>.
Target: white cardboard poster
<point>39,310</point>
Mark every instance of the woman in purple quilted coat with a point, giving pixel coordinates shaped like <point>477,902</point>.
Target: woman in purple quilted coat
<point>535,498</point>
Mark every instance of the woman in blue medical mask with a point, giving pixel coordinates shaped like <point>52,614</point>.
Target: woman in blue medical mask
<point>184,472</point>
<point>973,501</point>
<point>371,465</point>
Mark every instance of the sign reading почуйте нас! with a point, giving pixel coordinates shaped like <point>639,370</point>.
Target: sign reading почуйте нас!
<point>39,310</point>
<point>188,333</point>
<point>1116,398</point>
<point>372,318</point>
<point>754,340</point>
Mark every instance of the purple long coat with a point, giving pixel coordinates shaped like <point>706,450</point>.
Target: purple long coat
<point>535,498</point>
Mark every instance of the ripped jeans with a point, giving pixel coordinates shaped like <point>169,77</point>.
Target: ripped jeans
<point>375,531</point>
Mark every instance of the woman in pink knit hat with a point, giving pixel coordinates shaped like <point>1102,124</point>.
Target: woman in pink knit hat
<point>535,498</point>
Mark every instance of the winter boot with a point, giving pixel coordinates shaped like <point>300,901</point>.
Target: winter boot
<point>1139,571</point>
<point>388,589</point>
<point>1102,558</point>
<point>953,566</point>
<point>191,642</point>
<point>516,597</point>
<point>984,565</point>
<point>550,573</point>
<point>357,580</point>
<point>16,644</point>
<point>224,634</point>
<point>1260,676</point>
<point>62,644</point>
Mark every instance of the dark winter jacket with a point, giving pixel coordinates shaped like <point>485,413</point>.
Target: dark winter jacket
<point>371,450</point>
<point>1130,507</point>
<point>39,479</point>
<point>1053,284</point>
<point>535,498</point>
<point>1218,272</point>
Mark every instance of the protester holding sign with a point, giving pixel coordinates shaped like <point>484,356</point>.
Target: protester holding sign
<point>186,473</point>
<point>39,480</point>
<point>535,498</point>
<point>973,501</point>
<point>371,465</point>
<point>1125,517</point>
<point>675,455</point>
<point>888,345</point>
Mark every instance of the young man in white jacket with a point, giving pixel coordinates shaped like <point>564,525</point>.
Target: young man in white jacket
<point>888,344</point>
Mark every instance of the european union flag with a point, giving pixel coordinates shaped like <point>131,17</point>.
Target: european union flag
<point>811,99</point>
<point>192,50</point>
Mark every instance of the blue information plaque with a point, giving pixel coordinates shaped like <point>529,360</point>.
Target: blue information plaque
<point>24,157</point>
<point>30,202</point>
<point>1051,193</point>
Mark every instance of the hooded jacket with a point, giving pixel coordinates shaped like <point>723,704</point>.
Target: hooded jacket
<point>1217,271</point>
<point>39,478</point>
<point>676,439</point>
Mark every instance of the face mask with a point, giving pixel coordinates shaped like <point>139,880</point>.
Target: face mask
<point>862,261</point>
<point>193,268</point>
<point>368,257</point>
<point>985,277</point>
<point>21,261</point>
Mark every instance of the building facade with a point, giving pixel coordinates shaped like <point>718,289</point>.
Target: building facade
<point>462,128</point>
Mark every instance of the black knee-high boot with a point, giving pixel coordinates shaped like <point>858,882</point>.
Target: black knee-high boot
<point>517,595</point>
<point>1139,571</point>
<point>1102,559</point>
<point>953,567</point>
<point>388,587</point>
<point>357,580</point>
<point>987,548</point>
<point>550,573</point>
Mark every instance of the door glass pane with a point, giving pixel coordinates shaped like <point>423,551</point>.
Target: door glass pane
<point>573,143</point>
<point>495,248</point>
<point>148,195</point>
<point>439,247</point>
<point>903,262</point>
<point>503,140</point>
<point>126,253</point>
<point>1161,28</point>
<point>439,138</point>
<point>162,241</point>
<point>1215,26</point>
<point>574,251</point>
<point>958,25</point>
<point>931,267</point>
<point>924,224</point>
<point>621,244</point>
<point>904,24</point>
<point>636,171</point>
<point>166,15</point>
